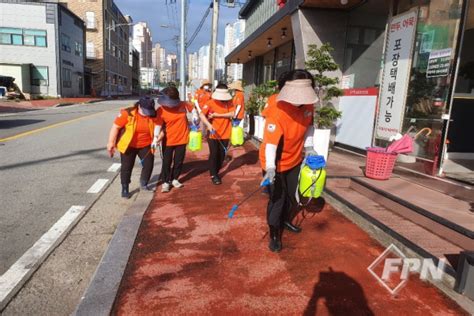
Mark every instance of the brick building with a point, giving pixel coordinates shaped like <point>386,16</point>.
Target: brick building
<point>107,70</point>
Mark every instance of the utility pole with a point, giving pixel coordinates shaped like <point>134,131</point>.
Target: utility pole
<point>212,49</point>
<point>182,59</point>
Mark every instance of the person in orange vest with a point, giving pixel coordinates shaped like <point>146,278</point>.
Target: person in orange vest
<point>139,135</point>
<point>203,94</point>
<point>217,114</point>
<point>172,112</point>
<point>238,99</point>
<point>288,130</point>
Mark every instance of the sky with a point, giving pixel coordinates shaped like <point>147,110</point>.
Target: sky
<point>156,13</point>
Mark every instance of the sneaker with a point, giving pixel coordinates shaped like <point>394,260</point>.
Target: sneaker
<point>147,188</point>
<point>165,187</point>
<point>175,183</point>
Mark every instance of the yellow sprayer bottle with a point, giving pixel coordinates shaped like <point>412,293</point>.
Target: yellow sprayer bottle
<point>237,134</point>
<point>312,177</point>
<point>195,139</point>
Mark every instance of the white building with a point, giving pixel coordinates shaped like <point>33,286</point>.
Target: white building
<point>234,35</point>
<point>45,57</point>
<point>143,43</point>
<point>148,77</point>
<point>203,62</point>
<point>193,66</point>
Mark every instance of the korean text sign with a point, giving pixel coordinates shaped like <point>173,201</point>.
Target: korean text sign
<point>396,71</point>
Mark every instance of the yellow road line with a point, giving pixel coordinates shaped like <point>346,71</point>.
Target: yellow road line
<point>48,127</point>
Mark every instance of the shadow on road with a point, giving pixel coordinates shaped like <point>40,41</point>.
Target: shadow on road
<point>72,154</point>
<point>6,124</point>
<point>342,295</point>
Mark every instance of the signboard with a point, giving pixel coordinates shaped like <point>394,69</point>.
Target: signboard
<point>356,125</point>
<point>396,72</point>
<point>439,63</point>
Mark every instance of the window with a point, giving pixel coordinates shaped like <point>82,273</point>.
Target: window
<point>67,81</point>
<point>114,80</point>
<point>65,43</point>
<point>125,81</point>
<point>39,76</point>
<point>14,36</point>
<point>90,50</point>
<point>90,20</point>
<point>78,49</point>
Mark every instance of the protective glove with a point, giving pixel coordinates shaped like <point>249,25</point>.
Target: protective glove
<point>154,144</point>
<point>269,175</point>
<point>309,151</point>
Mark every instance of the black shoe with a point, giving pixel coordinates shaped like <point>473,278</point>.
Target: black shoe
<point>216,180</point>
<point>125,191</point>
<point>292,228</point>
<point>275,239</point>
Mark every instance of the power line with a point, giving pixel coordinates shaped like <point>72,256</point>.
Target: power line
<point>198,29</point>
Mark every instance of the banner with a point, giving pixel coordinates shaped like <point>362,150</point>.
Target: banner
<point>396,72</point>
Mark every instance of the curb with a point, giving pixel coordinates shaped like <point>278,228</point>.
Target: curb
<point>99,297</point>
<point>34,266</point>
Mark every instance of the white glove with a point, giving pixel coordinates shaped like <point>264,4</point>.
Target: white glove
<point>154,144</point>
<point>309,151</point>
<point>269,175</point>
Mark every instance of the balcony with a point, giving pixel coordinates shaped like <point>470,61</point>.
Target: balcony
<point>92,53</point>
<point>91,23</point>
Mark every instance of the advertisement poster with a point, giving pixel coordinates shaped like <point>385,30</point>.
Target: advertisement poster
<point>439,63</point>
<point>396,72</point>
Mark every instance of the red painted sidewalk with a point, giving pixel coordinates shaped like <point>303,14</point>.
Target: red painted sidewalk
<point>22,106</point>
<point>187,260</point>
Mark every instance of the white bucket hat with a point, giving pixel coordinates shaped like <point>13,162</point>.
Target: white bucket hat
<point>298,92</point>
<point>221,95</point>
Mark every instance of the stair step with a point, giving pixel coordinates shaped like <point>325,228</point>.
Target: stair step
<point>416,237</point>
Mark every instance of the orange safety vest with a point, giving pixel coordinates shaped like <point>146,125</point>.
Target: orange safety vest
<point>129,130</point>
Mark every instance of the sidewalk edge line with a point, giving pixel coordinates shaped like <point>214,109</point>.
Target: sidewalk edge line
<point>100,295</point>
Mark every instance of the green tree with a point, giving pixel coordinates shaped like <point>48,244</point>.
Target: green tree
<point>319,63</point>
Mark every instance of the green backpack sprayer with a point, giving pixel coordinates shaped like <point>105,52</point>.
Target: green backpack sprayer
<point>312,177</point>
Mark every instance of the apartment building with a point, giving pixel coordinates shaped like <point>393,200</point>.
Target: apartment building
<point>42,47</point>
<point>108,71</point>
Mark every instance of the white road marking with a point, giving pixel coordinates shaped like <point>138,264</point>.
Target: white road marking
<point>115,167</point>
<point>97,186</point>
<point>12,280</point>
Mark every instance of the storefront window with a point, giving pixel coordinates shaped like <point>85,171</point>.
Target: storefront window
<point>284,59</point>
<point>364,44</point>
<point>432,71</point>
<point>268,64</point>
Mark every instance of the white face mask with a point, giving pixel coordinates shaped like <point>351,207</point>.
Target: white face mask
<point>206,87</point>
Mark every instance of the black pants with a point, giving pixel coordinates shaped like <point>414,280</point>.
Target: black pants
<point>175,155</point>
<point>128,160</point>
<point>282,197</point>
<point>216,155</point>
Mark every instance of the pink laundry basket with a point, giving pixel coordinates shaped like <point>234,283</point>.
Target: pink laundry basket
<point>379,164</point>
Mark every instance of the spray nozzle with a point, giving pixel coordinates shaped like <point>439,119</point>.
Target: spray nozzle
<point>232,211</point>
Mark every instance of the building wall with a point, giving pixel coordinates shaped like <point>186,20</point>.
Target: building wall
<point>73,59</point>
<point>311,26</point>
<point>261,12</point>
<point>94,46</point>
<point>31,16</point>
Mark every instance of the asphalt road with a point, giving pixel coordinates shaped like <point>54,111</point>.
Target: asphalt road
<point>49,159</point>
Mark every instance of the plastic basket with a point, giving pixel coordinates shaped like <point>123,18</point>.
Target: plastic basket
<point>379,164</point>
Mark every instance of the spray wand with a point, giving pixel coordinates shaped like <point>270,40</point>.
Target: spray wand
<point>236,206</point>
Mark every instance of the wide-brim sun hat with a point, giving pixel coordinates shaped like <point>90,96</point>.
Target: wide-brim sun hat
<point>205,82</point>
<point>221,95</point>
<point>236,85</point>
<point>147,105</point>
<point>165,100</point>
<point>298,92</point>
